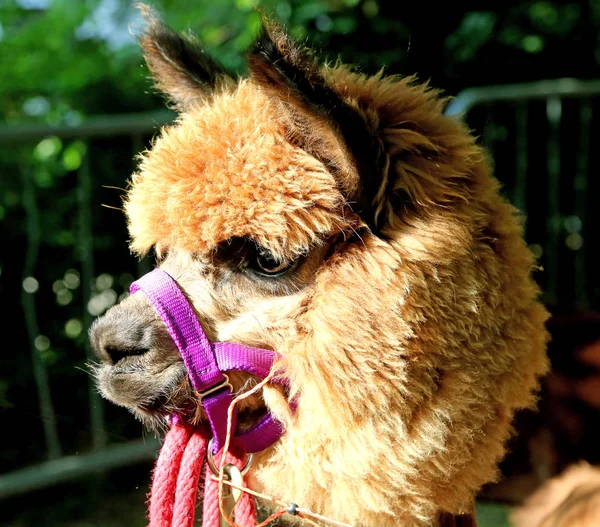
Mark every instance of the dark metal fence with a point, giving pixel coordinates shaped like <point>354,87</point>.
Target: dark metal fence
<point>19,143</point>
<point>540,137</point>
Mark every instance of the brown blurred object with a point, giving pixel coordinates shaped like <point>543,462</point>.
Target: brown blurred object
<point>570,500</point>
<point>468,519</point>
<point>565,428</point>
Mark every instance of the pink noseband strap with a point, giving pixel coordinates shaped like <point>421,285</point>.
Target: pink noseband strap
<point>206,362</point>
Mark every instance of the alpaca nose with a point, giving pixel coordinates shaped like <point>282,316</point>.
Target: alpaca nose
<point>117,336</point>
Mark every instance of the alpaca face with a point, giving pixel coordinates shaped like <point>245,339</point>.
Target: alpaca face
<point>344,222</point>
<point>241,293</point>
<point>245,243</point>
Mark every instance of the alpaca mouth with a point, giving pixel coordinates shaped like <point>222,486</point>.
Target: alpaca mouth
<point>153,396</point>
<point>152,392</point>
<point>167,405</point>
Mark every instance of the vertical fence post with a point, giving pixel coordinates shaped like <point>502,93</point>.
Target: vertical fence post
<point>86,259</point>
<point>580,184</point>
<point>554,116</point>
<point>521,156</point>
<point>40,373</point>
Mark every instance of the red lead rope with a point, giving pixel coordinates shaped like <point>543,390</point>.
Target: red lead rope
<point>176,480</point>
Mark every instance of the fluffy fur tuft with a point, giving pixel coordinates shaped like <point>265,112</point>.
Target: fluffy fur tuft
<point>228,171</point>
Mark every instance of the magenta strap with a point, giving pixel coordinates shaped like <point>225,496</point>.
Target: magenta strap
<point>206,362</point>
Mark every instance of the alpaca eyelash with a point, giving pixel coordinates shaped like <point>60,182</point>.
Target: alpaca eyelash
<point>261,262</point>
<point>278,269</point>
<point>240,253</point>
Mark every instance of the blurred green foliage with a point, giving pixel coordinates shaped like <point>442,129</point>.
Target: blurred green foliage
<point>64,59</point>
<point>492,515</point>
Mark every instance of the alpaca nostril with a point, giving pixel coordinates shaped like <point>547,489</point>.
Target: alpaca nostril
<point>118,335</point>
<point>117,354</point>
<point>128,330</point>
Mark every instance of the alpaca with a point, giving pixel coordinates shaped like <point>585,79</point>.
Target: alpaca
<point>569,500</point>
<point>346,223</point>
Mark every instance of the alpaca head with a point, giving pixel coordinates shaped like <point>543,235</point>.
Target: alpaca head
<point>346,223</point>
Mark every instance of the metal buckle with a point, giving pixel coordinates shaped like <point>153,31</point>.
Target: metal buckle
<point>216,388</point>
<point>210,458</point>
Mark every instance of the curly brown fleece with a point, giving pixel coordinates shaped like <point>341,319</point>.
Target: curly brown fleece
<point>418,334</point>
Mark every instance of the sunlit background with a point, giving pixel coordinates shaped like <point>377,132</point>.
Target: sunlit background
<point>76,106</point>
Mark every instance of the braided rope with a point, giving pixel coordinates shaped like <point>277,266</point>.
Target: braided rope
<point>188,480</point>
<point>245,510</point>
<point>176,481</point>
<point>164,479</point>
<point>210,506</point>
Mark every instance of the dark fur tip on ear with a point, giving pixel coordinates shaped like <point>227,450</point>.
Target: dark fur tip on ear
<point>179,66</point>
<point>291,73</point>
<point>276,60</point>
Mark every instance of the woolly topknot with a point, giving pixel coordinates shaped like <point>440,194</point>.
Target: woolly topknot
<point>225,171</point>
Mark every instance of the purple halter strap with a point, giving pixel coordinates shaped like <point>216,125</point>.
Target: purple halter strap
<point>206,362</point>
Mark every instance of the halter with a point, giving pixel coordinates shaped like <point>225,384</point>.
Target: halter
<point>206,363</point>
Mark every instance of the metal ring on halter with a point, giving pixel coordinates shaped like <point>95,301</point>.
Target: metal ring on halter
<point>213,467</point>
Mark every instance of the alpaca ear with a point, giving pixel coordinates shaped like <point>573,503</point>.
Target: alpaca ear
<point>179,66</point>
<point>319,120</point>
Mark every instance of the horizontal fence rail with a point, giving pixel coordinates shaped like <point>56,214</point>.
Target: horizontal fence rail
<point>90,128</point>
<point>67,468</point>
<point>561,88</point>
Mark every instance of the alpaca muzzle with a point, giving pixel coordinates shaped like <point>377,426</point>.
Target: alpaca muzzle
<point>206,363</point>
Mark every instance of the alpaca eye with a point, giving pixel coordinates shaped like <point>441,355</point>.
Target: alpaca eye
<point>248,256</point>
<point>267,265</point>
